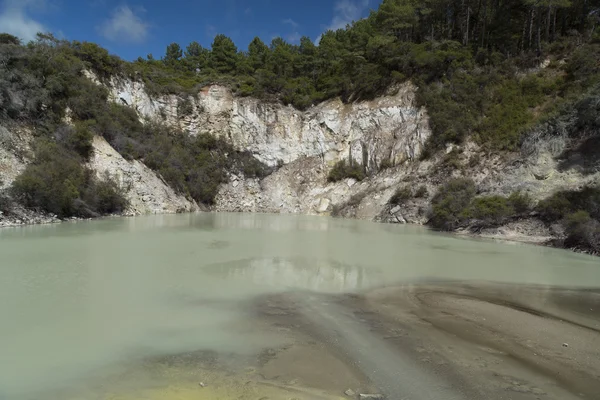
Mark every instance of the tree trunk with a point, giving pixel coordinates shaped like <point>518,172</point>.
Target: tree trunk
<point>547,35</point>
<point>553,38</point>
<point>531,17</point>
<point>485,23</point>
<point>539,35</point>
<point>467,31</point>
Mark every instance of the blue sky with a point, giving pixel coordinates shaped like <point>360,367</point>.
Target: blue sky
<point>133,28</point>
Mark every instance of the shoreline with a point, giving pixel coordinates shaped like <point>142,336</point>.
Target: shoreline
<point>30,218</point>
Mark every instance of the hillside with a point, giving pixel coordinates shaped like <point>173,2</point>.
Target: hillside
<point>474,116</point>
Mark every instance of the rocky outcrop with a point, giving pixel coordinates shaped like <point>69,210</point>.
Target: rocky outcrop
<point>146,191</point>
<point>15,153</point>
<point>390,128</point>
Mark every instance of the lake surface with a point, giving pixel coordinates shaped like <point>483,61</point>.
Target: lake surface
<point>80,299</point>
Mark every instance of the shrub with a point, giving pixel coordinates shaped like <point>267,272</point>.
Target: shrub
<point>58,183</point>
<point>520,202</point>
<point>450,202</point>
<point>452,160</point>
<point>490,209</point>
<point>582,231</point>
<point>562,203</point>
<point>401,196</point>
<point>554,207</point>
<point>105,196</point>
<point>5,203</point>
<point>342,170</point>
<point>52,182</point>
<point>184,107</point>
<point>80,139</point>
<point>422,192</point>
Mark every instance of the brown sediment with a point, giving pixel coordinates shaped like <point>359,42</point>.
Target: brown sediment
<point>443,340</point>
<point>476,341</point>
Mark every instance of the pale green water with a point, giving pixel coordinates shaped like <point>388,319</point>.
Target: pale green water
<point>79,297</point>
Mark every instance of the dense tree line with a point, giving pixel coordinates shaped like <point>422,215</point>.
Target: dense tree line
<point>466,56</point>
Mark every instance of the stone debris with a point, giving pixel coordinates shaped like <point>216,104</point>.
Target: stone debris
<point>371,396</point>
<point>350,393</point>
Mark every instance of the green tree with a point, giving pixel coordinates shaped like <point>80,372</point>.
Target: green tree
<point>223,57</point>
<point>6,38</point>
<point>196,56</point>
<point>258,52</point>
<point>174,53</point>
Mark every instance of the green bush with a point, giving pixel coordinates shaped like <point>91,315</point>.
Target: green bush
<point>555,207</point>
<point>521,203</point>
<point>563,203</point>
<point>490,210</point>
<point>194,165</point>
<point>5,203</point>
<point>582,231</point>
<point>184,107</point>
<point>105,196</point>
<point>401,195</point>
<point>80,139</point>
<point>449,203</point>
<point>422,192</point>
<point>58,183</point>
<point>342,170</point>
<point>53,182</point>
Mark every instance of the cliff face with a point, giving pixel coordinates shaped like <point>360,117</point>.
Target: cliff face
<point>305,145</point>
<point>146,191</point>
<point>389,128</point>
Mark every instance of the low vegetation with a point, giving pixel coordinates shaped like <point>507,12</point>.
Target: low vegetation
<point>58,183</point>
<point>401,195</point>
<point>579,212</point>
<point>450,204</point>
<point>422,192</point>
<point>344,169</point>
<point>455,205</point>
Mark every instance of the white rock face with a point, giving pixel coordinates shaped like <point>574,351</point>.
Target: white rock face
<point>146,191</point>
<point>15,153</point>
<point>390,128</point>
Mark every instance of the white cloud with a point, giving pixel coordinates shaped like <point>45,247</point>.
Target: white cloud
<point>294,37</point>
<point>14,18</point>
<point>290,22</point>
<point>125,25</point>
<point>345,11</point>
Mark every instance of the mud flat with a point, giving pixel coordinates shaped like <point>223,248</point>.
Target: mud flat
<point>449,340</point>
<point>442,340</point>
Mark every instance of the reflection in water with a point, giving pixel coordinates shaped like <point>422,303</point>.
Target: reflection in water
<point>297,273</point>
<point>76,298</point>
